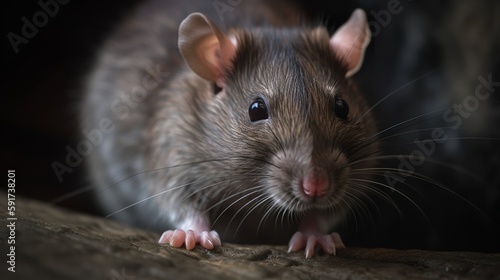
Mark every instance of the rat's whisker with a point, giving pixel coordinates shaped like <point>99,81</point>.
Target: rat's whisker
<point>374,138</point>
<point>431,181</point>
<point>357,202</point>
<point>367,157</point>
<point>418,130</point>
<point>270,208</point>
<point>225,199</point>
<point>395,190</point>
<point>233,179</point>
<point>350,209</point>
<point>361,196</point>
<point>150,197</point>
<point>377,172</point>
<point>398,90</point>
<point>89,188</point>
<point>255,206</point>
<point>358,208</point>
<point>284,214</point>
<point>381,194</point>
<point>252,200</point>
<point>446,164</point>
<point>233,203</point>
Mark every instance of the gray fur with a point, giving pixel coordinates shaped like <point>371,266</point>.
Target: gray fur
<point>201,149</point>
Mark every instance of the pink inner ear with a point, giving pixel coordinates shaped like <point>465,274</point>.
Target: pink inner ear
<point>224,55</point>
<point>348,51</point>
<point>351,40</point>
<point>206,50</point>
<point>216,55</point>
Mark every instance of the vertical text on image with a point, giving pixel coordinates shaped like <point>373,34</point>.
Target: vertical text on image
<point>11,220</point>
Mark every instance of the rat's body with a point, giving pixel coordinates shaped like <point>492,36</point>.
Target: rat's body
<point>259,138</point>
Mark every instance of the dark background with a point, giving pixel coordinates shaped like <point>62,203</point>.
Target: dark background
<point>42,85</point>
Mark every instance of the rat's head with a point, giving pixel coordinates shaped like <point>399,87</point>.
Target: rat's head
<point>285,108</point>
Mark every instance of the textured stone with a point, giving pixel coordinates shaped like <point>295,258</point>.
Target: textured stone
<point>55,243</point>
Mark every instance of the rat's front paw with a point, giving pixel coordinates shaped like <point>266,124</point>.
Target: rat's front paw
<point>176,238</point>
<point>308,241</point>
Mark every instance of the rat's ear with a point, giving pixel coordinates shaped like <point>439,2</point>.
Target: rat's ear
<point>350,41</point>
<point>206,49</point>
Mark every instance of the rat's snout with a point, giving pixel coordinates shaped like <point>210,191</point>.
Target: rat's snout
<point>315,183</point>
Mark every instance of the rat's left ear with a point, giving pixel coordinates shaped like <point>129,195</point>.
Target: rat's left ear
<point>205,48</point>
<point>350,41</point>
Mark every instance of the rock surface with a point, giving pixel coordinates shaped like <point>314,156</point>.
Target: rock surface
<point>55,243</point>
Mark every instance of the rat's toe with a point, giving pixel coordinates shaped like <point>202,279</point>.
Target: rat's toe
<point>327,244</point>
<point>215,238</point>
<point>165,237</point>
<point>190,240</point>
<point>177,238</point>
<point>209,239</point>
<point>308,241</point>
<point>206,241</point>
<point>337,240</point>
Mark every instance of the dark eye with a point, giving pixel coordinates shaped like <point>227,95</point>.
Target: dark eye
<point>341,109</point>
<point>258,110</point>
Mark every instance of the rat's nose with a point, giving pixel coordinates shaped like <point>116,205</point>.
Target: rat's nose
<point>315,184</point>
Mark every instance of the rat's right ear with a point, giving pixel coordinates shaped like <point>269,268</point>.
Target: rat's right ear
<point>206,49</point>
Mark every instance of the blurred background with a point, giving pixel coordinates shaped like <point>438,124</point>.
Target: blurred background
<point>427,57</point>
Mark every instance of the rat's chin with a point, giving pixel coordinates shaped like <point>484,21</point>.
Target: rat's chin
<point>304,204</point>
<point>307,207</point>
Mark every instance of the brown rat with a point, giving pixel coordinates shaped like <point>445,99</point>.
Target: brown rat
<point>257,138</point>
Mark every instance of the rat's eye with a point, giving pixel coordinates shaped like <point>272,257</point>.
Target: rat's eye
<point>341,109</point>
<point>258,110</point>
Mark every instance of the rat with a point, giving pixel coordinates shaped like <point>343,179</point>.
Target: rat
<point>261,136</point>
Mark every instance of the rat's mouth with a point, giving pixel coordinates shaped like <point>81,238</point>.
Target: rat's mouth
<point>329,199</point>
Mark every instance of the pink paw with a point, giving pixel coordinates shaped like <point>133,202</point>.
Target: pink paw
<point>176,238</point>
<point>308,241</point>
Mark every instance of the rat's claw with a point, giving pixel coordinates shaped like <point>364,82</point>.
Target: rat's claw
<point>206,241</point>
<point>190,238</point>
<point>297,242</point>
<point>215,238</point>
<point>337,240</point>
<point>311,244</point>
<point>308,241</point>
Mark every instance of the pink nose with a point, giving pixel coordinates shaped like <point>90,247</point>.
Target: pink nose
<point>315,184</point>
